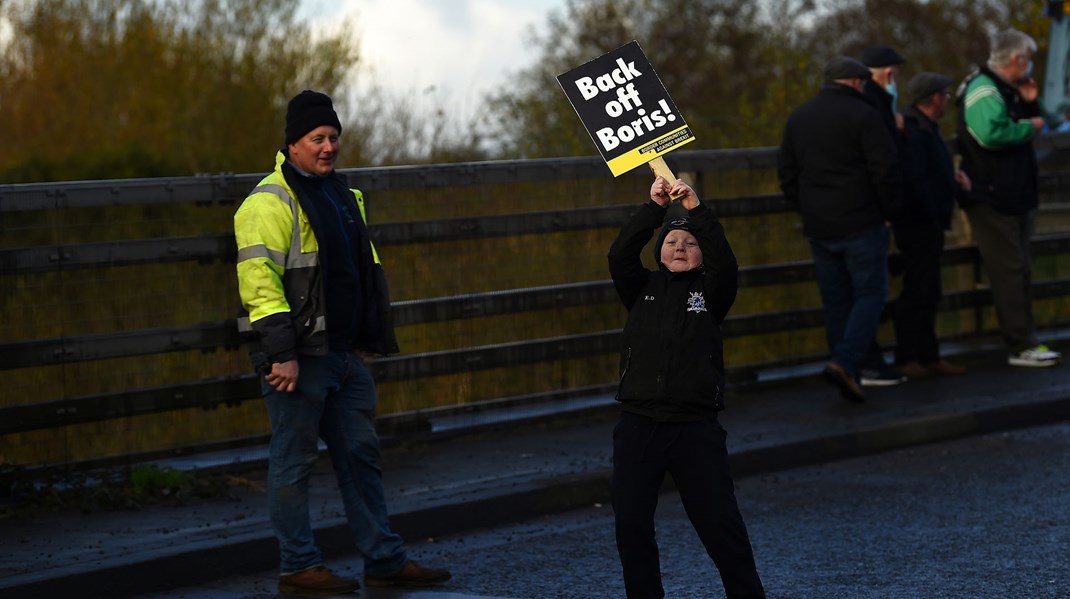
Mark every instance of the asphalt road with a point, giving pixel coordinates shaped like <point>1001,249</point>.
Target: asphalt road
<point>984,517</point>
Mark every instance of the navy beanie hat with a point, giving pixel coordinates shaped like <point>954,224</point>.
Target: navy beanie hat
<point>306,111</point>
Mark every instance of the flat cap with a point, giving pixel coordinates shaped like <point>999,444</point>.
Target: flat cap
<point>923,85</point>
<point>881,56</point>
<point>845,67</point>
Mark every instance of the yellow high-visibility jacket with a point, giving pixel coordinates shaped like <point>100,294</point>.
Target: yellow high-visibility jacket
<point>279,278</point>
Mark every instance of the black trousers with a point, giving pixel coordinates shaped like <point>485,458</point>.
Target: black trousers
<point>920,246</point>
<point>695,454</point>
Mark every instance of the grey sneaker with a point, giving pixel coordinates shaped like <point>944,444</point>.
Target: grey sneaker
<point>1036,357</point>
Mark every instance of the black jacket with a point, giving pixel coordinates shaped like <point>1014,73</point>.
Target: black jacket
<point>929,173</point>
<point>672,362</point>
<point>838,165</point>
<point>1004,177</point>
<point>884,102</point>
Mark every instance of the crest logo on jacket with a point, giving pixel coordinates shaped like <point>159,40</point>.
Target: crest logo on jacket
<point>696,303</point>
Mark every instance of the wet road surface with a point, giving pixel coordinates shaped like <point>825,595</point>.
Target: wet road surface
<point>983,517</point>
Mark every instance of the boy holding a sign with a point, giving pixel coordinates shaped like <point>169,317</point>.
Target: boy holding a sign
<point>672,376</point>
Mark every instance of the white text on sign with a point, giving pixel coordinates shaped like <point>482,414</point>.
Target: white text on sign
<point>619,76</point>
<point>627,100</point>
<point>644,124</point>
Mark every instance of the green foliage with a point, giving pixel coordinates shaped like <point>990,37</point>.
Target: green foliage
<point>152,479</point>
<point>123,88</point>
<point>737,69</point>
<point>113,88</point>
<point>702,50</point>
<point>22,493</point>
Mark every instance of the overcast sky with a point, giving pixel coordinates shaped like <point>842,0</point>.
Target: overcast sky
<point>464,48</point>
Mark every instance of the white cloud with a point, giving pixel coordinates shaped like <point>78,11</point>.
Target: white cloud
<point>5,32</point>
<point>464,49</point>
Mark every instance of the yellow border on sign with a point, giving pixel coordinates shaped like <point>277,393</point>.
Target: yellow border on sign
<point>626,162</point>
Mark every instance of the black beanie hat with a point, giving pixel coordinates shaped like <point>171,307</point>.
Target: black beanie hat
<point>676,217</point>
<point>306,111</point>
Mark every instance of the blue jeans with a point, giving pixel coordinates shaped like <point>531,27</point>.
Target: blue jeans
<point>334,400</point>
<point>852,275</point>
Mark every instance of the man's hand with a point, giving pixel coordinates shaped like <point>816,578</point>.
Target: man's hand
<point>283,376</point>
<point>662,193</point>
<point>1028,90</point>
<point>963,180</point>
<point>1038,123</point>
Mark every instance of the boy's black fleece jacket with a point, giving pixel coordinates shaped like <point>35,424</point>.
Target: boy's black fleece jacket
<point>672,362</point>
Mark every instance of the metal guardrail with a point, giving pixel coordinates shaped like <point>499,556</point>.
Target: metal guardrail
<point>230,188</point>
<point>234,390</point>
<point>227,188</point>
<point>221,246</point>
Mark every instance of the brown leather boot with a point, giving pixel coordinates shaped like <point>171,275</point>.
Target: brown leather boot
<point>411,575</point>
<point>316,581</point>
<point>848,386</point>
<point>913,370</point>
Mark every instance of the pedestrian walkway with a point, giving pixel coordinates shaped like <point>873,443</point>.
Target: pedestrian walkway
<point>510,475</point>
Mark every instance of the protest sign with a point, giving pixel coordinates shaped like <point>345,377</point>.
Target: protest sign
<point>626,110</point>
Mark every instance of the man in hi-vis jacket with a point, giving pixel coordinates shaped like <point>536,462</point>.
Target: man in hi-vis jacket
<point>314,291</point>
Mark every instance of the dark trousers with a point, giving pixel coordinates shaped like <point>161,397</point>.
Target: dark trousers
<point>852,276</point>
<point>920,246</point>
<point>695,454</point>
<point>1003,240</point>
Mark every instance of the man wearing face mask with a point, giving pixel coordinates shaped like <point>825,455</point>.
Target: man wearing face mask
<point>999,118</point>
<point>883,63</point>
<point>838,167</point>
<point>880,89</point>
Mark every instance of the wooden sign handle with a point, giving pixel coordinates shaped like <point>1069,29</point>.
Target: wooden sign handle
<point>662,170</point>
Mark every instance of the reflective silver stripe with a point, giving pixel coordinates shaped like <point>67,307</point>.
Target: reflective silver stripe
<point>244,324</point>
<point>261,251</point>
<point>321,324</point>
<point>276,190</point>
<point>303,260</point>
<point>296,258</point>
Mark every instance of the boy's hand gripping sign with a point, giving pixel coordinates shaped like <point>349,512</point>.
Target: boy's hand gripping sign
<point>625,108</point>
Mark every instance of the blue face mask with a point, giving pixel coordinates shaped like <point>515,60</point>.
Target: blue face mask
<point>893,92</point>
